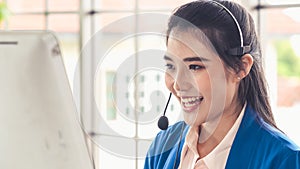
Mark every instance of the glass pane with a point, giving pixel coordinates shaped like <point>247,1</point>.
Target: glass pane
<point>280,2</point>
<point>126,22</point>
<point>159,4</point>
<point>3,14</point>
<point>115,110</point>
<point>281,41</point>
<point>114,4</point>
<point>104,20</point>
<point>143,147</point>
<point>26,6</point>
<point>64,23</point>
<point>20,22</point>
<point>116,152</point>
<point>3,9</point>
<point>155,93</point>
<point>282,21</point>
<point>65,5</point>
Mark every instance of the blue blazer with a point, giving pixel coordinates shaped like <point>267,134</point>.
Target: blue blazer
<point>257,145</point>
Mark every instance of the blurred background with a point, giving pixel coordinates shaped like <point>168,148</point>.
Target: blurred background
<point>76,21</point>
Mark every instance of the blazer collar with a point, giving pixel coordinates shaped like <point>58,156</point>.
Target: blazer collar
<point>249,127</point>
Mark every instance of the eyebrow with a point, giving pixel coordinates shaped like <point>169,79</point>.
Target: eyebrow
<point>189,59</point>
<point>167,58</point>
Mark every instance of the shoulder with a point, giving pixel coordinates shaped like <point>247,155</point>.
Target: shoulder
<point>279,148</point>
<point>262,145</point>
<point>167,139</point>
<point>271,135</point>
<point>162,149</point>
<point>278,138</point>
<point>281,144</point>
<point>173,130</point>
<point>256,129</point>
<point>274,137</point>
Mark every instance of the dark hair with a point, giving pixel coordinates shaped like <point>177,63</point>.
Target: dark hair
<point>217,24</point>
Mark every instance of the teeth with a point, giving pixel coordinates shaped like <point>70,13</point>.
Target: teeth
<point>189,104</point>
<point>191,100</point>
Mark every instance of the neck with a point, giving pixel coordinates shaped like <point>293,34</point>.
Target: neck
<point>211,136</point>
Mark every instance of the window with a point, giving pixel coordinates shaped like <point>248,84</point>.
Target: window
<point>280,36</point>
<point>123,132</point>
<point>79,25</point>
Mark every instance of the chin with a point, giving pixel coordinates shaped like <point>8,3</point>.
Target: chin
<point>193,119</point>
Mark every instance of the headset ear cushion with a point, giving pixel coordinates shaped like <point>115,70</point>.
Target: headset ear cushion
<point>239,51</point>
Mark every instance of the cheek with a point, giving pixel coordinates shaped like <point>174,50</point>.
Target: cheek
<point>219,88</point>
<point>169,82</point>
<point>203,82</point>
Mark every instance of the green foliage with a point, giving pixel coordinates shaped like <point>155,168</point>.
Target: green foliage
<point>4,12</point>
<point>288,63</point>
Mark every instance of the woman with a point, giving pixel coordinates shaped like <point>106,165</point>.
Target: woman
<point>214,68</point>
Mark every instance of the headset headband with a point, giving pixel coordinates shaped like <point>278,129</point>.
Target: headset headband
<point>241,50</point>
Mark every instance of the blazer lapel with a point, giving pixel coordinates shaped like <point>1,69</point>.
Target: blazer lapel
<point>244,143</point>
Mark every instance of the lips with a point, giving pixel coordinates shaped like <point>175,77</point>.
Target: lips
<point>190,104</point>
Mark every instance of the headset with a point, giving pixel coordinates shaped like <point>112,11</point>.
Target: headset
<point>163,121</point>
<point>241,50</point>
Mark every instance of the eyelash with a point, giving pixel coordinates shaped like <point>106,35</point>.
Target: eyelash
<point>191,67</point>
<point>196,67</point>
<point>170,66</point>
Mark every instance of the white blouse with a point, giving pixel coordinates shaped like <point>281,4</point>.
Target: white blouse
<point>217,158</point>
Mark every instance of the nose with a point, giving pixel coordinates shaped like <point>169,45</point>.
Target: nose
<point>182,81</point>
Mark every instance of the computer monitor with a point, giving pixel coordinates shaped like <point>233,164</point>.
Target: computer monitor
<point>39,127</point>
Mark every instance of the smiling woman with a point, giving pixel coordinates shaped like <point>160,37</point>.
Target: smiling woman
<point>214,69</point>
<point>194,78</point>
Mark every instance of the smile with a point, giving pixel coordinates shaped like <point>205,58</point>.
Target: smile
<point>189,104</point>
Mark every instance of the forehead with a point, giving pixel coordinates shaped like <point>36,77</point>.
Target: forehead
<point>190,43</point>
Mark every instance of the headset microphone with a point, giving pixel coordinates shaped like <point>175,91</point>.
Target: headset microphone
<point>163,121</point>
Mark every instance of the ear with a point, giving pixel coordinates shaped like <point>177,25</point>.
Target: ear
<point>247,61</point>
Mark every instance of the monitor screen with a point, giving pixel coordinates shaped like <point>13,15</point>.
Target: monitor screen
<point>39,127</point>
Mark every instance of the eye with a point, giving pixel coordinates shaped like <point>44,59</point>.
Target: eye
<point>170,66</point>
<point>196,67</point>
